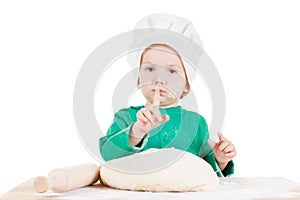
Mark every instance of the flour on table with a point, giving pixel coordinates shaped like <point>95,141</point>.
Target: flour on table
<point>233,188</point>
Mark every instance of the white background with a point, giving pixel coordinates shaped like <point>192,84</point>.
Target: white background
<point>254,44</point>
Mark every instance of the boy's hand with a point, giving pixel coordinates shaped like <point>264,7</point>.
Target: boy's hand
<point>224,150</point>
<point>149,117</point>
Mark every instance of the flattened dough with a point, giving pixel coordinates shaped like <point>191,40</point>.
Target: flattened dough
<point>160,170</point>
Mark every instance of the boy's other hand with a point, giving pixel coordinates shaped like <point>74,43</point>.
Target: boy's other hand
<point>224,150</point>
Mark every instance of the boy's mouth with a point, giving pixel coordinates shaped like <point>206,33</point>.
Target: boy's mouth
<point>161,92</point>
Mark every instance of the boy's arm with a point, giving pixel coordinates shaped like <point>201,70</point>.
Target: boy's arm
<point>207,153</point>
<point>227,171</point>
<point>224,151</point>
<point>115,143</point>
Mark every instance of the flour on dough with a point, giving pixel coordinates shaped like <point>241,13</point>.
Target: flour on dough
<point>160,170</point>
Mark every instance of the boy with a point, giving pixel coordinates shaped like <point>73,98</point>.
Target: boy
<point>161,123</point>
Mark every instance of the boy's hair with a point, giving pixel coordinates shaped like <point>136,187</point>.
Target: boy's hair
<point>177,54</point>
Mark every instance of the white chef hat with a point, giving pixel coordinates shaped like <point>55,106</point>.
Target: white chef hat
<point>170,23</point>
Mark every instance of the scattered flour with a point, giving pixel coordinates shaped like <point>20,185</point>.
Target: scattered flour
<point>229,188</point>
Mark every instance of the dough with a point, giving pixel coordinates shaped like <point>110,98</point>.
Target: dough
<point>160,170</point>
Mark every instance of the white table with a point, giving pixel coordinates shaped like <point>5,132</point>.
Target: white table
<point>229,188</point>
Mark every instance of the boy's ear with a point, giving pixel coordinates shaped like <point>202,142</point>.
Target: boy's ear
<point>187,88</point>
<point>138,83</point>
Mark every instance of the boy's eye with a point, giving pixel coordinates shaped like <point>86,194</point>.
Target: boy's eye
<point>172,71</point>
<point>149,69</point>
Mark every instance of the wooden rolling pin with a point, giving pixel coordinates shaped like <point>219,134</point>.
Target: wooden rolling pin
<point>69,178</point>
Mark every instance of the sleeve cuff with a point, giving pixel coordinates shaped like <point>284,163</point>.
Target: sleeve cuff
<point>229,169</point>
<point>142,143</point>
<point>117,145</point>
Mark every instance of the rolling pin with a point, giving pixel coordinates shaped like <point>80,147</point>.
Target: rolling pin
<point>69,178</point>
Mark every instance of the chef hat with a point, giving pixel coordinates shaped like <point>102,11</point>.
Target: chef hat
<point>173,24</point>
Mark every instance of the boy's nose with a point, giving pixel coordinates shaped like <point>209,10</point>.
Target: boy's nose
<point>160,78</point>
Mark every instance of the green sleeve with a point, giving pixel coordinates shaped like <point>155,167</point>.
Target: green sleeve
<point>115,143</point>
<point>227,171</point>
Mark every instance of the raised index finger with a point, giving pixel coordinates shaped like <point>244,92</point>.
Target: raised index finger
<point>156,96</point>
<point>221,137</point>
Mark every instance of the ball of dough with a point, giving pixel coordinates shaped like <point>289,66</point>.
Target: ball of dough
<point>160,170</point>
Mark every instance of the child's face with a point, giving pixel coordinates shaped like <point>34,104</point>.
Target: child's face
<point>161,67</point>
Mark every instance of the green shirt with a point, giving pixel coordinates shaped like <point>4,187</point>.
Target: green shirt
<point>186,130</point>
